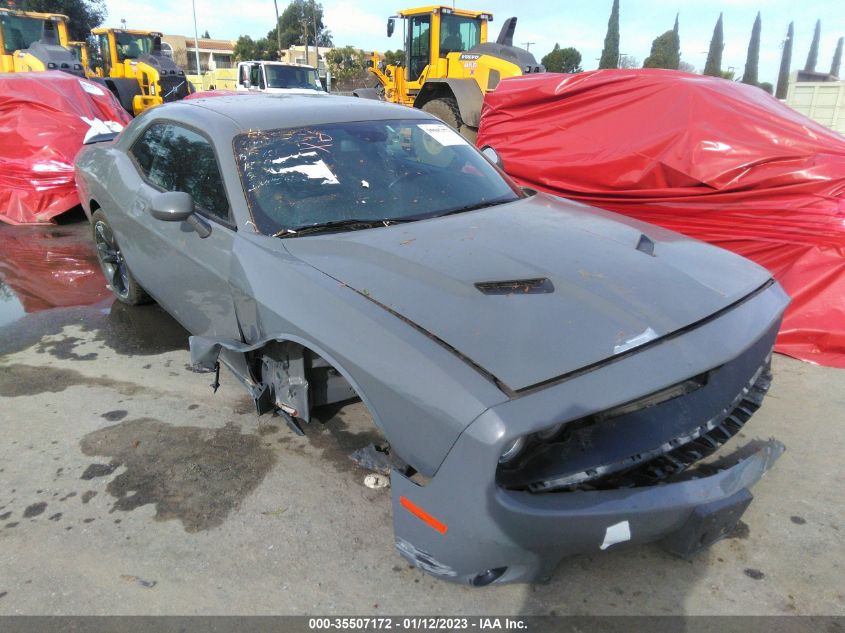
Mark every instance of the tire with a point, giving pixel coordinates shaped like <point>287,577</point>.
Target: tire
<point>115,269</point>
<point>446,109</point>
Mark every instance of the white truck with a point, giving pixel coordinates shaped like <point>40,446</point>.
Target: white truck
<point>278,77</point>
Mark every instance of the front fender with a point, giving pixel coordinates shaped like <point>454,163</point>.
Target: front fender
<point>421,395</point>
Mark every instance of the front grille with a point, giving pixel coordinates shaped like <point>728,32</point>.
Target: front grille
<point>681,453</point>
<point>173,87</point>
<point>602,451</point>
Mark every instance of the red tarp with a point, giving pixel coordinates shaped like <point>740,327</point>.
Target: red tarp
<point>720,161</point>
<point>44,118</point>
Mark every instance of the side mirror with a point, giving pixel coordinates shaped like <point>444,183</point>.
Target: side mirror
<point>172,206</point>
<point>391,24</point>
<point>178,206</point>
<point>492,155</point>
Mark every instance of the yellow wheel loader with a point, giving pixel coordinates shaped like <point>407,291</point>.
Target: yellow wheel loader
<point>449,65</point>
<point>133,67</point>
<point>33,42</point>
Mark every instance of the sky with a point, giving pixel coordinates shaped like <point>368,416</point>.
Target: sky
<point>578,23</point>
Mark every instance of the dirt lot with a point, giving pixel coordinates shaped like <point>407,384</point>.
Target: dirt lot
<point>127,487</point>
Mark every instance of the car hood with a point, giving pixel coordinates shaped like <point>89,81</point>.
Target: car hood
<point>604,295</point>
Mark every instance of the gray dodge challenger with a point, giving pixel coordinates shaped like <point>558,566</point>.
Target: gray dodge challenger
<point>549,378</point>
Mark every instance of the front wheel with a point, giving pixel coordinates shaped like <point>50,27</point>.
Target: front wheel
<point>117,273</point>
<point>446,109</point>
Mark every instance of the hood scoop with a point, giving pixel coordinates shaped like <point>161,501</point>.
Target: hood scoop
<point>537,286</point>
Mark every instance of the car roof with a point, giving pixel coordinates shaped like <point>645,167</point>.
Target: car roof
<point>269,112</point>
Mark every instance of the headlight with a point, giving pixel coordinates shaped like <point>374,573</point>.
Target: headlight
<point>512,449</point>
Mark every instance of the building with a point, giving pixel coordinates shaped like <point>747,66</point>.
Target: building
<point>213,53</point>
<point>296,55</point>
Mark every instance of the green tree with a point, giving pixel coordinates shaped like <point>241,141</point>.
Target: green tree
<point>263,49</point>
<point>713,65</point>
<point>83,15</point>
<point>766,86</point>
<point>610,52</point>
<point>394,57</point>
<point>686,67</point>
<point>664,52</point>
<point>785,63</point>
<point>562,60</point>
<point>837,59</point>
<point>347,64</point>
<point>752,60</point>
<point>813,55</point>
<point>298,18</point>
<point>206,36</point>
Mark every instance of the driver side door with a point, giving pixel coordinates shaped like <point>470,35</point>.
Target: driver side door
<point>187,274</point>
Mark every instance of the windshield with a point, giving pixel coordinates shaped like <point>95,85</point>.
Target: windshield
<point>131,46</point>
<point>458,33</point>
<point>291,77</point>
<point>397,170</point>
<point>20,32</point>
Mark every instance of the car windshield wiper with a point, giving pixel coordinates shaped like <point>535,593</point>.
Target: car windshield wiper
<point>336,225</point>
<point>473,207</point>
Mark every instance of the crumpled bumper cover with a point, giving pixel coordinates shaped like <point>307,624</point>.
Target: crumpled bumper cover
<point>543,529</point>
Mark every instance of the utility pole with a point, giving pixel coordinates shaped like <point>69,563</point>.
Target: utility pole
<point>305,35</point>
<point>278,30</point>
<point>196,40</point>
<point>316,44</point>
<point>527,45</point>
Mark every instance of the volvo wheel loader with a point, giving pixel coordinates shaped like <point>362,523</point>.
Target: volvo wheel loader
<point>449,65</point>
<point>33,42</point>
<point>133,67</point>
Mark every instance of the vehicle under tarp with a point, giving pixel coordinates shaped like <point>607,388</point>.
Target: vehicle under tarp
<point>44,119</point>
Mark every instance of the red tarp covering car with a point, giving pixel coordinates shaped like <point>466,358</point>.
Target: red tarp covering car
<point>44,118</point>
<point>720,161</point>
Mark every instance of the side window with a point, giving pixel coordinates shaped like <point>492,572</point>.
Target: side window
<point>147,147</point>
<point>195,170</point>
<point>175,158</point>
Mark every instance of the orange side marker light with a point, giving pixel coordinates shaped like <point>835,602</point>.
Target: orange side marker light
<point>423,516</point>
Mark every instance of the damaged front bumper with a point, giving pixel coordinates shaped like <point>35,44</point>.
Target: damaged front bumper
<point>466,525</point>
<point>530,533</point>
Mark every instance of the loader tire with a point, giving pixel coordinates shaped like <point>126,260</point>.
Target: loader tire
<point>446,109</point>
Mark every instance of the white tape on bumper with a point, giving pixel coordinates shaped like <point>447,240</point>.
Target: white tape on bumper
<point>616,533</point>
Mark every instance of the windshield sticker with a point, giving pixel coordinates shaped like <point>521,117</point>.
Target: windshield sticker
<point>317,170</point>
<point>444,135</point>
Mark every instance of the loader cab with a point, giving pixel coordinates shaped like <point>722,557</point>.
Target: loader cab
<point>120,46</point>
<point>32,41</point>
<point>431,33</point>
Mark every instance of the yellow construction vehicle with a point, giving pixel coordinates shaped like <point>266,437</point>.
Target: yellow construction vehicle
<point>135,70</point>
<point>79,50</point>
<point>449,64</point>
<point>32,42</point>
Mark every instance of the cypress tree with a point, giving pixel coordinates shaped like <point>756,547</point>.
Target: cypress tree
<point>837,59</point>
<point>677,31</point>
<point>785,63</point>
<point>813,55</point>
<point>610,52</point>
<point>752,61</point>
<point>713,66</point>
